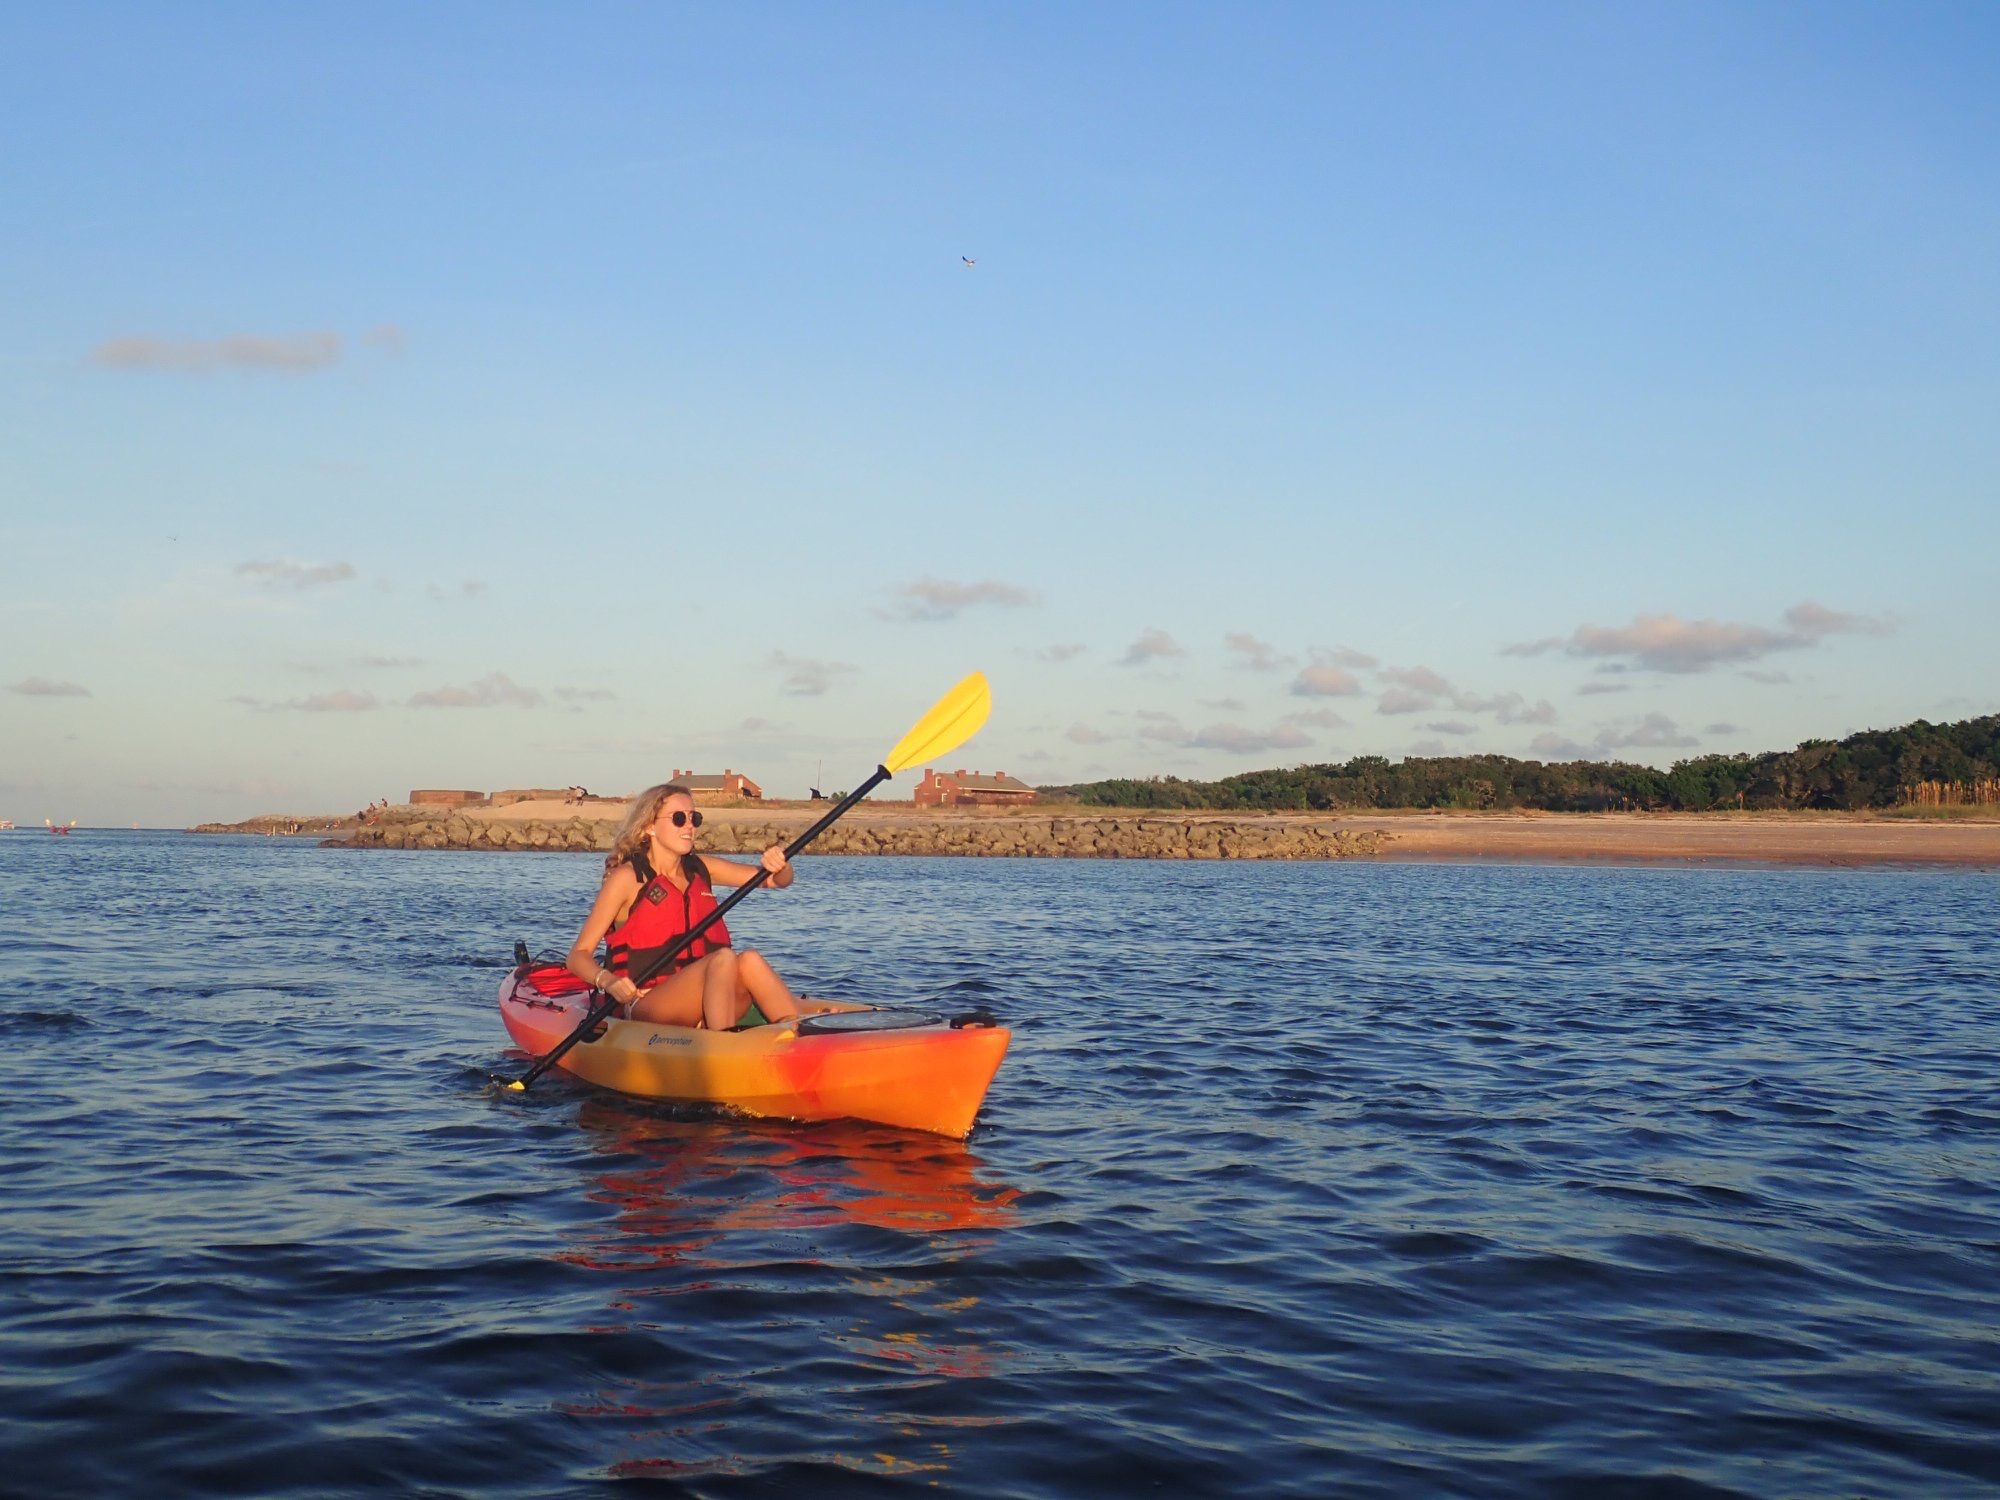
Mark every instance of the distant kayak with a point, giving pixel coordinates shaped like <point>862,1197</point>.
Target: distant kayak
<point>839,1061</point>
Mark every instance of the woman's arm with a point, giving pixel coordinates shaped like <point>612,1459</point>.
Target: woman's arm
<point>734,872</point>
<point>620,885</point>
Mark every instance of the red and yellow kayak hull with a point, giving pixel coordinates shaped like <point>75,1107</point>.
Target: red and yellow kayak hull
<point>930,1078</point>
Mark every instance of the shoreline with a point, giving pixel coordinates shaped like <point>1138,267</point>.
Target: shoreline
<point>1074,832</point>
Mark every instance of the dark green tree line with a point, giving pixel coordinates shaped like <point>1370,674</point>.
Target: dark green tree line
<point>1875,768</point>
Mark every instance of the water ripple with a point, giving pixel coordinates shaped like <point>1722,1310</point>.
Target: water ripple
<point>1357,1179</point>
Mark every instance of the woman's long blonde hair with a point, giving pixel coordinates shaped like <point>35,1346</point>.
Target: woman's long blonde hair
<point>639,817</point>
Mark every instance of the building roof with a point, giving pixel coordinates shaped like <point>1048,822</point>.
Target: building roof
<point>722,783</point>
<point>970,781</point>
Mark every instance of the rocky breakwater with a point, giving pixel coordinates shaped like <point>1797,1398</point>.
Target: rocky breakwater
<point>1059,836</point>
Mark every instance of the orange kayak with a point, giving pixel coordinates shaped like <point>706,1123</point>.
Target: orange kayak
<point>836,1062</point>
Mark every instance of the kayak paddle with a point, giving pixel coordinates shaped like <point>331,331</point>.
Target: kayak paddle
<point>953,719</point>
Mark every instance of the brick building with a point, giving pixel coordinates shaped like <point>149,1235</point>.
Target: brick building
<point>963,788</point>
<point>718,788</point>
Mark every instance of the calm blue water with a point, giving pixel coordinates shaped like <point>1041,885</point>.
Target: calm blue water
<point>1299,1180</point>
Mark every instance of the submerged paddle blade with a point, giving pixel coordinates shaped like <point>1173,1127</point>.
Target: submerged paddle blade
<point>953,719</point>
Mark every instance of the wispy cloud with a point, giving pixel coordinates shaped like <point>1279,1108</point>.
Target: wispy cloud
<point>283,573</point>
<point>1153,644</point>
<point>1655,731</point>
<point>1402,700</point>
<point>1083,734</point>
<point>1559,747</point>
<point>1454,727</point>
<point>46,687</point>
<point>1812,622</point>
<point>805,676</point>
<point>1416,690</point>
<point>1061,651</point>
<point>292,354</point>
<point>1507,708</point>
<point>585,695</point>
<point>1322,718</point>
<point>943,599</point>
<point>1593,689</point>
<point>1236,739</point>
<point>444,593</point>
<point>1256,655</point>
<point>494,690</point>
<point>390,663</point>
<point>1667,643</point>
<point>339,701</point>
<point>386,337</point>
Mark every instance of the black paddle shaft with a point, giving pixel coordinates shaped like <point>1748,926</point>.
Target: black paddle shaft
<point>602,1004</point>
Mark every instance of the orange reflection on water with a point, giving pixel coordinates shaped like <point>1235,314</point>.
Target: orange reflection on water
<point>696,1180</point>
<point>707,1203</point>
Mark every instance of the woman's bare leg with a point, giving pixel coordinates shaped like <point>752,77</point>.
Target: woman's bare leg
<point>678,999</point>
<point>722,1001</point>
<point>760,982</point>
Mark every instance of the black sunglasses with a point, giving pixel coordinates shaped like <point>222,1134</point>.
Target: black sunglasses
<point>680,819</point>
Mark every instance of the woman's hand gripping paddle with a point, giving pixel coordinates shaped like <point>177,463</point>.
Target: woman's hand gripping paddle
<point>953,719</point>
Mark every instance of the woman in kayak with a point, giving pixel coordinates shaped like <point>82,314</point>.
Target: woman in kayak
<point>655,889</point>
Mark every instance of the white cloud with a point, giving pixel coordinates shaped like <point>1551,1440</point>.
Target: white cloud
<point>494,690</point>
<point>1321,718</point>
<point>294,354</point>
<point>1654,731</point>
<point>1236,739</point>
<point>1400,700</point>
<point>283,573</point>
<point>1813,621</point>
<point>942,599</point>
<point>45,687</point>
<point>1330,674</point>
<point>1152,645</point>
<point>339,701</point>
<point>805,676</point>
<point>1258,656</point>
<point>1417,680</point>
<point>1667,643</point>
<point>1508,708</point>
<point>1558,747</point>
<point>1455,727</point>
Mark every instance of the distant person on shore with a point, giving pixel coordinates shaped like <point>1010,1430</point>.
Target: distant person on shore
<point>655,889</point>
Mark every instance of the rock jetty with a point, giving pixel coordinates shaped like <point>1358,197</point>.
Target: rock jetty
<point>1054,836</point>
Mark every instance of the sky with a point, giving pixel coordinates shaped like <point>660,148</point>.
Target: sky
<point>501,395</point>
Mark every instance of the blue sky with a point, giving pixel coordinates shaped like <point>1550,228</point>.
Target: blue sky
<point>506,395</point>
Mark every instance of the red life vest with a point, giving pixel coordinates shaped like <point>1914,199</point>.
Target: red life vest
<point>660,913</point>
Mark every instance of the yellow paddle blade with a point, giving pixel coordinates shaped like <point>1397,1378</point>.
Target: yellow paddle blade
<point>953,719</point>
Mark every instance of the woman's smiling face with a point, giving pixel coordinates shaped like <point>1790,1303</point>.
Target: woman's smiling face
<point>669,836</point>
